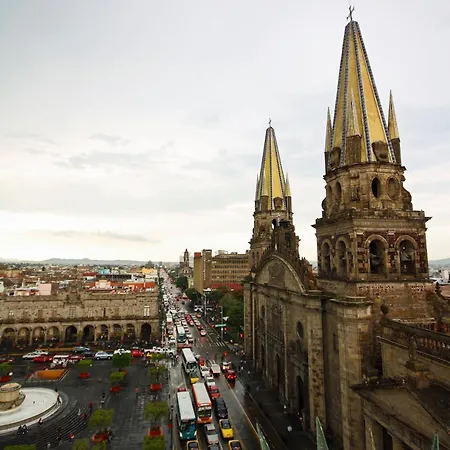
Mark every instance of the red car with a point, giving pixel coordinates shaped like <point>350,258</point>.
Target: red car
<point>43,359</point>
<point>213,391</point>
<point>136,353</point>
<point>76,357</point>
<point>230,375</point>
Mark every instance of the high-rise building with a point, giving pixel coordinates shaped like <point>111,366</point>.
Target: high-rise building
<point>198,272</point>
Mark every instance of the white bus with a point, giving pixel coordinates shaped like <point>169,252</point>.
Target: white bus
<point>181,335</point>
<point>187,420</point>
<point>202,403</point>
<point>190,364</point>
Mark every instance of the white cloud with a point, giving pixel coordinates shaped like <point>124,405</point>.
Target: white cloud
<point>148,120</point>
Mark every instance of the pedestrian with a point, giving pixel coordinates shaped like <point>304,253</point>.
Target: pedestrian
<point>40,422</point>
<point>56,388</point>
<point>84,416</point>
<point>49,445</point>
<point>59,399</point>
<point>91,406</point>
<point>79,412</point>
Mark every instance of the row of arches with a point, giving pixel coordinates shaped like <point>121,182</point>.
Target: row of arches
<point>337,260</point>
<point>72,333</point>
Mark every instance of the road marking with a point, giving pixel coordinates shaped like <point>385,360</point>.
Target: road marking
<point>242,408</point>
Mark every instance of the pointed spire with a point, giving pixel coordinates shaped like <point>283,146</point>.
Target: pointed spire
<point>352,124</point>
<point>287,191</point>
<point>257,188</point>
<point>355,75</point>
<point>392,119</point>
<point>272,182</point>
<point>329,132</point>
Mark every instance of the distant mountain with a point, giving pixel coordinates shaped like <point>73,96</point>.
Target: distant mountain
<point>92,262</point>
<point>440,262</point>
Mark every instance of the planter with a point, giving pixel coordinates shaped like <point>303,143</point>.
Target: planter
<point>99,438</point>
<point>155,387</point>
<point>115,389</point>
<point>5,379</point>
<point>155,431</point>
<point>84,375</point>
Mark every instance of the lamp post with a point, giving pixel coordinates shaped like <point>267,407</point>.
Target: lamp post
<point>204,306</point>
<point>221,322</point>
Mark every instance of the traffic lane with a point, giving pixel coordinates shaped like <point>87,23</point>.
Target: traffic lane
<point>242,423</point>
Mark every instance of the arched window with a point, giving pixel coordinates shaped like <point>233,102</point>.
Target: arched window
<point>326,258</point>
<point>376,187</point>
<point>338,193</point>
<point>407,257</point>
<point>341,252</point>
<point>377,257</point>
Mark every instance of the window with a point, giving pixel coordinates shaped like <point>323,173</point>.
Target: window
<point>25,315</point>
<point>376,255</point>
<point>147,311</point>
<point>326,254</point>
<point>407,258</point>
<point>376,187</point>
<point>341,258</point>
<point>72,312</point>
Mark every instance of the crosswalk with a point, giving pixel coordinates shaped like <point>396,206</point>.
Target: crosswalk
<point>210,343</point>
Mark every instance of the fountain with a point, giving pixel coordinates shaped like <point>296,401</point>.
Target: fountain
<point>19,406</point>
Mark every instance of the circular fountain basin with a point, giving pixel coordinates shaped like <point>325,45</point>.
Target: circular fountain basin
<point>38,403</point>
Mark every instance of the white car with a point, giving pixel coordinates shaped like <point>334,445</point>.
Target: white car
<point>212,436</point>
<point>33,355</point>
<point>102,355</point>
<point>205,372</point>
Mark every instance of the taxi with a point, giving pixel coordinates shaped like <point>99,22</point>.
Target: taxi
<point>192,445</point>
<point>226,429</point>
<point>234,445</point>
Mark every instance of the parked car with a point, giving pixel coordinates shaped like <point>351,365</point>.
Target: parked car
<point>6,359</point>
<point>76,357</point>
<point>81,349</point>
<point>43,359</point>
<point>102,355</point>
<point>89,354</point>
<point>136,353</point>
<point>33,355</point>
<point>212,437</point>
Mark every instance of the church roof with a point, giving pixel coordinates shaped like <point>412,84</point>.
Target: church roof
<point>272,182</point>
<point>358,110</point>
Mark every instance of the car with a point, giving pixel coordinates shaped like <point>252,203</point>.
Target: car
<point>203,333</point>
<point>213,390</point>
<point>204,371</point>
<point>234,445</point>
<point>181,389</point>
<point>212,437</point>
<point>220,408</point>
<point>81,349</point>
<point>230,375</point>
<point>33,355</point>
<point>43,359</point>
<point>169,352</point>
<point>6,359</point>
<point>76,357</point>
<point>136,353</point>
<point>102,355</point>
<point>226,365</point>
<point>226,429</point>
<point>192,445</point>
<point>89,354</point>
<point>209,379</point>
<point>197,356</point>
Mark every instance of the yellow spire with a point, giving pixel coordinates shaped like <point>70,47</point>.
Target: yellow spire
<point>392,120</point>
<point>352,123</point>
<point>287,191</point>
<point>271,177</point>
<point>329,132</point>
<point>366,115</point>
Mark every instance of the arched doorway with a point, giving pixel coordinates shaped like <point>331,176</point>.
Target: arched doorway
<point>52,335</point>
<point>130,333</point>
<point>38,335</point>
<point>24,336</point>
<point>8,337</point>
<point>104,333</point>
<point>71,334</point>
<point>117,332</point>
<point>326,256</point>
<point>146,332</point>
<point>88,333</point>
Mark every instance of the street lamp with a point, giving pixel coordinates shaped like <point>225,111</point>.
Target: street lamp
<point>221,322</point>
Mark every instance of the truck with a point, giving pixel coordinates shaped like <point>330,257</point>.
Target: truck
<point>215,370</point>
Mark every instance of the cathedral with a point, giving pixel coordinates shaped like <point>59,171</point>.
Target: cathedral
<point>364,344</point>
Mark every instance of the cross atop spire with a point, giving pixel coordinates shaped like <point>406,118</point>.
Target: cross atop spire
<point>350,14</point>
<point>270,122</point>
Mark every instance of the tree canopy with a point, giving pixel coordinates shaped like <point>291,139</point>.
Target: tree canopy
<point>182,283</point>
<point>193,294</point>
<point>154,443</point>
<point>121,360</point>
<point>101,418</point>
<point>155,411</point>
<point>81,444</point>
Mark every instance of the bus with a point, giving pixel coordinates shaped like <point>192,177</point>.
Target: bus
<point>190,364</point>
<point>202,403</point>
<point>187,421</point>
<point>181,335</point>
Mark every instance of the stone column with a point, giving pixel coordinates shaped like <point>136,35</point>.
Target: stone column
<point>374,434</point>
<point>316,378</point>
<point>397,444</point>
<point>30,339</point>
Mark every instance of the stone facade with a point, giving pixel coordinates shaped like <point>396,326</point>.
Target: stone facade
<point>78,315</point>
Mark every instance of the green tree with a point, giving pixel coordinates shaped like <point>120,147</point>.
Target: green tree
<point>121,360</point>
<point>155,373</point>
<point>182,283</point>
<point>193,295</point>
<point>236,315</point>
<point>155,411</point>
<point>101,419</point>
<point>100,446</point>
<point>84,365</point>
<point>154,443</point>
<point>81,444</point>
<point>5,369</point>
<point>21,447</point>
<point>116,378</point>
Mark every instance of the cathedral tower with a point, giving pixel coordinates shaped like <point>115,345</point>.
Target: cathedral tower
<point>273,201</point>
<point>370,241</point>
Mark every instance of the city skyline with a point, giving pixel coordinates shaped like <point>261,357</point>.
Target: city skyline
<point>133,132</point>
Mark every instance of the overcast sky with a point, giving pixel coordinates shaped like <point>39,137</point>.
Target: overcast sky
<point>134,129</point>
